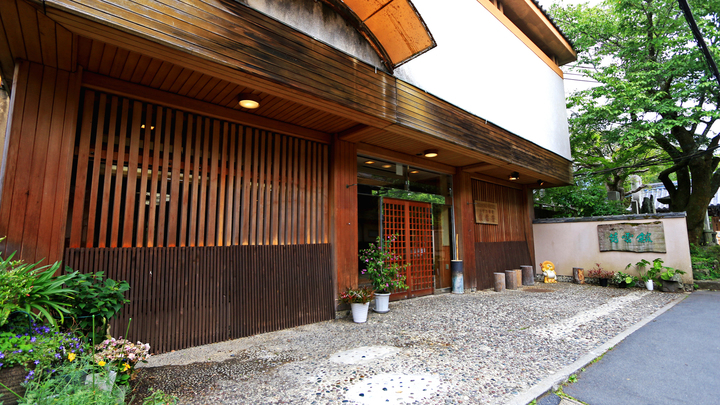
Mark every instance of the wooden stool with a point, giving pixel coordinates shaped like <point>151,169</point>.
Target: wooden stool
<point>499,282</point>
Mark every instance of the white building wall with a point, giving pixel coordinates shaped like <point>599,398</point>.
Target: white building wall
<point>478,64</point>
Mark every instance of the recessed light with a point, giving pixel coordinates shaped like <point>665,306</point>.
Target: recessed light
<point>414,172</point>
<point>386,166</point>
<point>249,101</point>
<point>369,162</point>
<point>514,176</point>
<point>430,153</point>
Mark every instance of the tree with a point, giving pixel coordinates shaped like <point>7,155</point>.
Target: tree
<point>654,89</point>
<point>587,198</point>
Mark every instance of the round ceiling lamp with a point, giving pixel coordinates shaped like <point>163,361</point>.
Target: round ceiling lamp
<point>249,101</point>
<point>430,153</point>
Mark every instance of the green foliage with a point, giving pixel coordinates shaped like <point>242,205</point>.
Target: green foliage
<point>654,92</point>
<point>588,198</point>
<point>70,384</point>
<point>573,378</point>
<point>158,397</point>
<point>705,262</point>
<point>35,290</point>
<point>624,279</point>
<point>384,266</point>
<point>40,348</point>
<point>95,302</point>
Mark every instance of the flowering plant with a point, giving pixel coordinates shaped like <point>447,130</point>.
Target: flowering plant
<point>359,296</point>
<point>598,272</point>
<point>383,266</point>
<point>38,348</point>
<point>121,356</point>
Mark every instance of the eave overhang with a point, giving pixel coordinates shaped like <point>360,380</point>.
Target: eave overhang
<point>393,27</point>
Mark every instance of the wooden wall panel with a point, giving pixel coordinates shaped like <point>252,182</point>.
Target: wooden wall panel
<point>170,178</point>
<point>344,208</point>
<point>464,228</point>
<point>498,257</point>
<point>35,170</point>
<point>512,213</point>
<point>188,296</point>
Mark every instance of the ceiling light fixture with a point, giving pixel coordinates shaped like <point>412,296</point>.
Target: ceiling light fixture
<point>369,162</point>
<point>249,101</point>
<point>540,183</point>
<point>386,166</point>
<point>430,153</point>
<point>414,172</point>
<point>514,176</point>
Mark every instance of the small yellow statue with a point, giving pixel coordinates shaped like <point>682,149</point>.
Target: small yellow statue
<point>548,270</point>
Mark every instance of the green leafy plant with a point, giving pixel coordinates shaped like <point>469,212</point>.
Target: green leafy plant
<point>383,265</point>
<point>629,281</point>
<point>34,290</point>
<point>357,296</point>
<point>77,382</point>
<point>95,302</point>
<point>158,397</point>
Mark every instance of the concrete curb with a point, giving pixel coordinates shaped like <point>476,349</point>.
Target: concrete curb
<point>561,376</point>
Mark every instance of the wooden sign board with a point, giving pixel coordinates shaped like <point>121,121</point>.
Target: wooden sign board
<point>486,213</point>
<point>632,237</point>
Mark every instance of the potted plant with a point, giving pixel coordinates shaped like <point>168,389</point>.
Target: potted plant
<point>603,276</point>
<point>651,273</point>
<point>359,300</point>
<point>624,280</point>
<point>384,269</point>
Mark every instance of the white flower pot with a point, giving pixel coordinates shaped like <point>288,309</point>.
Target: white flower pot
<point>360,311</point>
<point>649,285</point>
<point>382,303</point>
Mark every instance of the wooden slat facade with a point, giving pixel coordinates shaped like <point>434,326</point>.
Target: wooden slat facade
<point>504,246</point>
<point>36,171</point>
<point>188,296</point>
<point>159,169</point>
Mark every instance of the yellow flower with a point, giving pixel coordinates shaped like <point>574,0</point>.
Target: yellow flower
<point>101,363</point>
<point>71,356</point>
<point>125,367</point>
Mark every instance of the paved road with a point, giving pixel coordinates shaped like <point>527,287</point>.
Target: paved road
<point>675,359</point>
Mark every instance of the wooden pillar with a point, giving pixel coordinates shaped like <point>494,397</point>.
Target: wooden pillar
<point>37,161</point>
<point>529,205</point>
<point>465,225</point>
<point>528,275</point>
<point>344,214</point>
<point>511,282</point>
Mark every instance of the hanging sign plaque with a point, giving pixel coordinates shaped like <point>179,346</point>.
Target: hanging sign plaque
<point>486,213</point>
<point>632,237</point>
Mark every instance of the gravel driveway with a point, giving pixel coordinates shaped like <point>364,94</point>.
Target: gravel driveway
<point>481,347</point>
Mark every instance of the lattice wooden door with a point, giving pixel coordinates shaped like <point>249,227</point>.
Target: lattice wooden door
<point>412,222</point>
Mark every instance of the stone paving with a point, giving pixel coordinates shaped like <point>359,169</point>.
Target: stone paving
<point>482,347</point>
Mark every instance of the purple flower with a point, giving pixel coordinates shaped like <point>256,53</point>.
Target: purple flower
<point>33,339</point>
<point>30,376</point>
<point>37,362</point>
<point>2,356</point>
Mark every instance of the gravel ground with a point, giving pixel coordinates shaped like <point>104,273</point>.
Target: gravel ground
<point>481,347</point>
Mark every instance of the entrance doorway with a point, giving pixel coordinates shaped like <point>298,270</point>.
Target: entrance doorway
<point>416,205</point>
<point>411,221</point>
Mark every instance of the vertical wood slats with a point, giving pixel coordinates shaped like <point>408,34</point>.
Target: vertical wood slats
<point>187,296</point>
<point>169,178</point>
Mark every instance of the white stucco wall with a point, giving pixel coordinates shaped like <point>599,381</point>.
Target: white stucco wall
<point>478,64</point>
<point>575,244</point>
<point>483,68</point>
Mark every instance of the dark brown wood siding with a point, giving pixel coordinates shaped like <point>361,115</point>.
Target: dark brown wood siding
<point>345,209</point>
<point>503,246</point>
<point>152,176</point>
<point>36,169</point>
<point>188,296</point>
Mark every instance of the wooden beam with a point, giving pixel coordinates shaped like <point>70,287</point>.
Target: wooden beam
<point>108,84</point>
<point>356,133</point>
<point>478,167</point>
<point>378,152</point>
